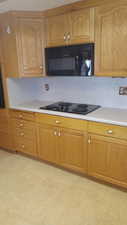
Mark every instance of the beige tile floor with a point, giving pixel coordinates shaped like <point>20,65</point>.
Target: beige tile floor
<point>33,193</point>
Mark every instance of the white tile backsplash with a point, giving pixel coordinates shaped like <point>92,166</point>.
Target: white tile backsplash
<point>24,89</point>
<point>93,90</point>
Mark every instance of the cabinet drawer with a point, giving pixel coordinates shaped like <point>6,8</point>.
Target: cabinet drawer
<point>25,133</point>
<point>24,129</point>
<point>61,121</point>
<point>21,124</point>
<point>26,146</point>
<point>5,141</point>
<point>108,130</point>
<point>22,115</point>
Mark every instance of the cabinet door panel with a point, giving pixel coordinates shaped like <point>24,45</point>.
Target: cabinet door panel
<point>73,150</point>
<point>56,28</point>
<point>47,143</point>
<point>30,46</point>
<point>98,156</point>
<point>5,141</point>
<point>107,159</point>
<point>82,26</point>
<point>118,161</point>
<point>111,33</point>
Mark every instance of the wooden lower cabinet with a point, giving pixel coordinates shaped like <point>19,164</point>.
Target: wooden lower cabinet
<point>64,147</point>
<point>96,149</point>
<point>27,146</point>
<point>5,141</point>
<point>72,147</point>
<point>23,132</point>
<point>5,131</point>
<point>47,141</point>
<point>107,159</point>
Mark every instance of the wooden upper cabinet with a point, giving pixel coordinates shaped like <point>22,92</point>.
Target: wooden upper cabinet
<point>110,39</point>
<point>29,38</point>
<point>70,28</point>
<point>22,44</point>
<point>82,26</point>
<point>56,30</point>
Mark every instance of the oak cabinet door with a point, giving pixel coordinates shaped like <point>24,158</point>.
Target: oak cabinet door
<point>56,30</point>
<point>110,40</point>
<point>29,37</point>
<point>82,26</point>
<point>5,141</point>
<point>72,147</point>
<point>47,143</point>
<point>107,159</point>
<point>117,168</point>
<point>98,156</point>
<point>5,131</point>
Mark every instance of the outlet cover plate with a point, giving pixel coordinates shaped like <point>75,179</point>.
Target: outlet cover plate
<point>123,91</point>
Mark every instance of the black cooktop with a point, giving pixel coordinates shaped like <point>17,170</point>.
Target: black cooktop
<point>71,107</point>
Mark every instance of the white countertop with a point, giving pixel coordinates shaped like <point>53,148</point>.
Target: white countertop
<point>105,115</point>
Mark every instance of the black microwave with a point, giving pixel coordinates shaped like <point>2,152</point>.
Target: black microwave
<point>73,60</point>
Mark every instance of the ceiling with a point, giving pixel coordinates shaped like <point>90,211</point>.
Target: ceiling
<point>6,5</point>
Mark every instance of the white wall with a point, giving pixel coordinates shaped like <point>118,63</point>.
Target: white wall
<point>95,90</point>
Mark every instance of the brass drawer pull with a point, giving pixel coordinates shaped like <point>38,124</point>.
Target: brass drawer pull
<point>59,134</point>
<point>89,141</point>
<point>23,146</point>
<point>68,36</point>
<point>55,133</point>
<point>64,37</point>
<point>58,122</point>
<point>20,116</point>
<point>21,134</point>
<point>109,131</point>
<point>21,124</point>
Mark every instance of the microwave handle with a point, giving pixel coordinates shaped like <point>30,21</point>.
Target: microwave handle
<point>76,60</point>
<point>77,63</point>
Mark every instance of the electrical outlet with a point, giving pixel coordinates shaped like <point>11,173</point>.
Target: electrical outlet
<point>123,91</point>
<point>46,87</point>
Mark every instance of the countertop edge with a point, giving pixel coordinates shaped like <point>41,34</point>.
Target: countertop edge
<point>87,117</point>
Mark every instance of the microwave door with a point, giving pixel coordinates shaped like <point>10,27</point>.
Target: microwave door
<point>64,66</point>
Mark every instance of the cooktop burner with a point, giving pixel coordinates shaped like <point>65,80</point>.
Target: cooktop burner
<point>71,107</point>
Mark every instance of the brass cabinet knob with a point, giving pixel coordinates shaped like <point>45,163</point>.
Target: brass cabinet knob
<point>109,131</point>
<point>89,141</point>
<point>59,134</point>
<point>68,36</point>
<point>58,122</point>
<point>21,124</point>
<point>65,37</point>
<point>20,116</point>
<point>55,133</point>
